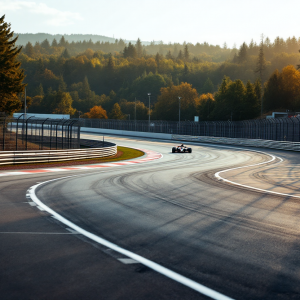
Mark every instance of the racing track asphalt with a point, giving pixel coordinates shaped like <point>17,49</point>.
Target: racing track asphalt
<point>240,242</point>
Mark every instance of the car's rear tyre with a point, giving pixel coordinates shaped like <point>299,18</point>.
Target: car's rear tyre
<point>173,150</point>
<point>189,150</point>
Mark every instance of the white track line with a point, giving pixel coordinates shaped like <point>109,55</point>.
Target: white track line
<point>273,157</point>
<point>150,264</point>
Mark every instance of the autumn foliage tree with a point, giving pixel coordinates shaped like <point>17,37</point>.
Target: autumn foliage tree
<point>136,109</point>
<point>282,90</point>
<point>167,106</point>
<point>11,75</point>
<point>96,112</point>
<point>64,104</point>
<point>116,112</point>
<point>205,106</point>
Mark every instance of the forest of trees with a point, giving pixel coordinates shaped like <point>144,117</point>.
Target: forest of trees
<point>112,80</point>
<point>11,74</point>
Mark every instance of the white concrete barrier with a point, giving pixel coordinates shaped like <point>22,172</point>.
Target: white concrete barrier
<point>128,133</point>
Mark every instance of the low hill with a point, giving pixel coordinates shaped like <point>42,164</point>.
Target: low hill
<point>24,38</point>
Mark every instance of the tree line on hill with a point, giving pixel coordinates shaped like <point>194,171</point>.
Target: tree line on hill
<point>112,80</point>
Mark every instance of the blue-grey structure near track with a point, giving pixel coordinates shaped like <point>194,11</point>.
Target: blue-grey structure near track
<point>17,133</point>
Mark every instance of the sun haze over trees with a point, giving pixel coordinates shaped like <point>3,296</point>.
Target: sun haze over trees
<point>64,75</point>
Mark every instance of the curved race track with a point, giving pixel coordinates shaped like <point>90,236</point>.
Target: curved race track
<point>235,240</point>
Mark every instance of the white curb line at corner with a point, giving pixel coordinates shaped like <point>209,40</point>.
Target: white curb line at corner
<point>146,262</point>
<point>150,155</point>
<point>273,157</point>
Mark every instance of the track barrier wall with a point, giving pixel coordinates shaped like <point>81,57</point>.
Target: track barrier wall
<point>260,143</point>
<point>280,129</point>
<point>42,156</point>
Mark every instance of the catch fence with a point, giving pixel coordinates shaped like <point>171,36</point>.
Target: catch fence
<point>279,129</point>
<point>38,134</point>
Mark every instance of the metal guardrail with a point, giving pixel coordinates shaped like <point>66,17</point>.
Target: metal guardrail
<point>280,145</point>
<point>42,156</point>
<point>38,134</point>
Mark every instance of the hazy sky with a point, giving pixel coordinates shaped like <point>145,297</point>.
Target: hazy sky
<point>213,21</point>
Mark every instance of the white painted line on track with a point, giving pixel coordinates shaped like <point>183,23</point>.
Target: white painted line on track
<point>72,230</point>
<point>273,157</point>
<point>43,233</point>
<point>128,261</point>
<point>150,264</point>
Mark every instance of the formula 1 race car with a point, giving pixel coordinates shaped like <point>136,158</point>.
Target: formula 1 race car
<point>181,149</point>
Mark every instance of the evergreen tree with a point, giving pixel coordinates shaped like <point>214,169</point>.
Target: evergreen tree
<point>251,103</point>
<point>261,62</point>
<point>40,67</point>
<point>157,59</point>
<point>267,42</point>
<point>45,44</point>
<point>54,43</point>
<point>186,53</point>
<point>208,87</point>
<point>251,45</point>
<point>175,52</point>
<point>40,91</point>
<point>258,88</point>
<point>272,93</point>
<point>242,56</point>
<point>130,51</point>
<point>139,48</point>
<point>65,54</point>
<point>62,86</point>
<point>64,104</point>
<point>110,63</point>
<point>62,42</point>
<point>235,59</point>
<point>87,95</point>
<point>11,76</point>
<point>29,50</point>
<point>116,112</point>
<point>186,70</point>
<point>169,55</point>
<point>180,55</point>
<point>37,47</point>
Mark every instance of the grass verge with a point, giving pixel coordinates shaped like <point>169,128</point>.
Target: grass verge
<point>123,153</point>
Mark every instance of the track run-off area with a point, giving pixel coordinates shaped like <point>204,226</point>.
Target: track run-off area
<point>219,223</point>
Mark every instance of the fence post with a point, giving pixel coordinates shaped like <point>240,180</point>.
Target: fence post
<point>26,134</point>
<point>4,133</point>
<point>62,134</point>
<point>42,140</point>
<point>50,134</point>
